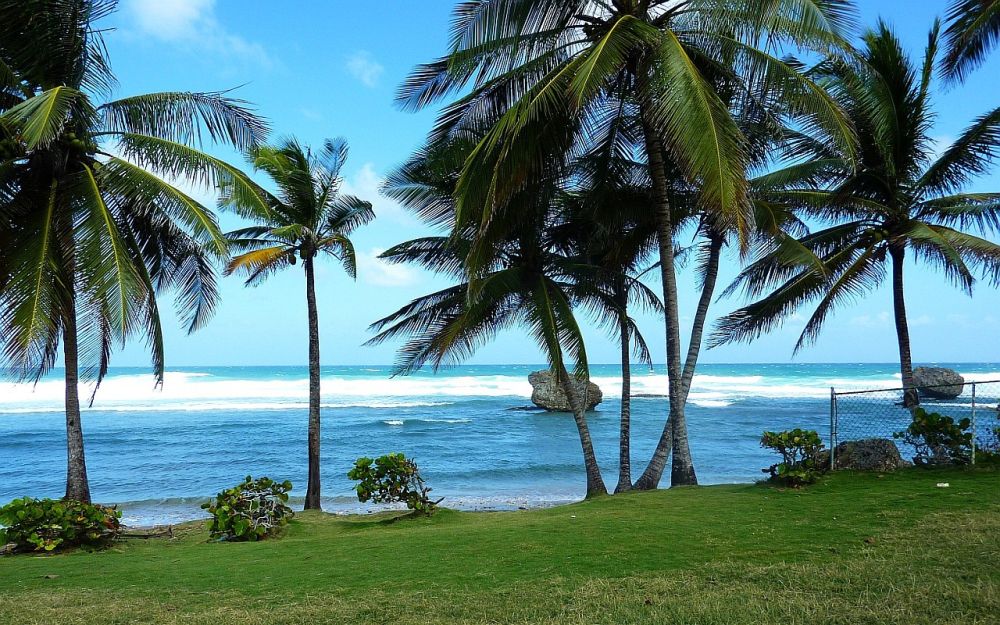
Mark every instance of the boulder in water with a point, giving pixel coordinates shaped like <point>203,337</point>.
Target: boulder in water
<point>548,394</point>
<point>938,382</point>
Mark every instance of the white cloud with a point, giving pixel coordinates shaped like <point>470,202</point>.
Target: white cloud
<point>373,269</point>
<point>366,184</point>
<point>921,320</point>
<point>193,23</point>
<point>880,320</point>
<point>362,66</point>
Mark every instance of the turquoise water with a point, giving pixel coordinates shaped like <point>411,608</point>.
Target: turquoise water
<point>159,453</point>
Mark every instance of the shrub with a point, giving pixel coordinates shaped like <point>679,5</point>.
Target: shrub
<point>51,524</point>
<point>937,439</point>
<point>252,510</point>
<point>799,450</point>
<point>392,478</point>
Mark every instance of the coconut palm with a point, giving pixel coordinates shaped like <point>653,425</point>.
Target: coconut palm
<point>92,234</point>
<point>533,65</point>
<point>973,30</point>
<point>530,283</point>
<point>306,217</point>
<point>899,199</point>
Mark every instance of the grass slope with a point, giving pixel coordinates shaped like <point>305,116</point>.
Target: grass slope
<point>852,549</point>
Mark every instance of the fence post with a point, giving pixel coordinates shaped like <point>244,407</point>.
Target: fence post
<point>973,423</point>
<point>833,425</point>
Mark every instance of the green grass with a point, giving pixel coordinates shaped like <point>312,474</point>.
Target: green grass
<point>852,549</point>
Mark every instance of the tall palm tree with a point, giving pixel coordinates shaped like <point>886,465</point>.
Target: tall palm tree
<point>529,283</point>
<point>92,235</point>
<point>973,30</point>
<point>535,64</point>
<point>306,217</point>
<point>899,198</point>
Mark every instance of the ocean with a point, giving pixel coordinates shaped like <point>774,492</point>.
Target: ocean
<point>160,453</point>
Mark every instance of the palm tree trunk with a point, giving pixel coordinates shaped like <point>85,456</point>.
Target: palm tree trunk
<point>674,435</point>
<point>595,483</point>
<point>77,485</point>
<point>910,396</point>
<point>625,427</point>
<point>313,488</point>
<point>711,276</point>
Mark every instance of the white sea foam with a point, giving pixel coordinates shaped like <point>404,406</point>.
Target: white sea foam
<point>202,391</point>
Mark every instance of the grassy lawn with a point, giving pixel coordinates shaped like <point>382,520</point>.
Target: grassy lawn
<point>852,549</point>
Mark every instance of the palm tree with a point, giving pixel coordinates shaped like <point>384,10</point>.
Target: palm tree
<point>306,217</point>
<point>534,65</point>
<point>973,29</point>
<point>91,235</point>
<point>898,198</point>
<point>529,283</point>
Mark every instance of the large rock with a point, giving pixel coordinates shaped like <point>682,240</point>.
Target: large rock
<point>870,454</point>
<point>938,382</point>
<point>548,394</point>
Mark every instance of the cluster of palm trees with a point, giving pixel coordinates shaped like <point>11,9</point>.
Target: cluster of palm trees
<point>581,145</point>
<point>92,231</point>
<point>581,138</point>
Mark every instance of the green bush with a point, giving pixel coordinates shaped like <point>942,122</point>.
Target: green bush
<point>252,510</point>
<point>799,450</point>
<point>51,524</point>
<point>392,478</point>
<point>937,439</point>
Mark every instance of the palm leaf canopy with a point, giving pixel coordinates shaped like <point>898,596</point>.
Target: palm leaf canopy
<point>973,31</point>
<point>92,228</point>
<point>900,196</point>
<point>306,215</point>
<point>540,76</point>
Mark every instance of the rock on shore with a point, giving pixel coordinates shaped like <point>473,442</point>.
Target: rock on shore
<point>548,394</point>
<point>938,382</point>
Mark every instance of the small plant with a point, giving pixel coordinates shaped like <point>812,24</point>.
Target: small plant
<point>937,439</point>
<point>51,524</point>
<point>799,450</point>
<point>392,478</point>
<point>252,510</point>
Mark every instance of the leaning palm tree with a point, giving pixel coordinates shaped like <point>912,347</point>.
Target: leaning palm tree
<point>306,217</point>
<point>92,234</point>
<point>529,283</point>
<point>898,199</point>
<point>973,30</point>
<point>533,65</point>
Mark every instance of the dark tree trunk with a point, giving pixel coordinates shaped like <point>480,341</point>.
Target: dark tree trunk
<point>313,488</point>
<point>595,483</point>
<point>77,485</point>
<point>625,427</point>
<point>910,395</point>
<point>674,435</point>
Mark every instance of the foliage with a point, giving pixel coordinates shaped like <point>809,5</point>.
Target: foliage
<point>799,450</point>
<point>937,438</point>
<point>51,524</point>
<point>988,449</point>
<point>253,510</point>
<point>392,478</point>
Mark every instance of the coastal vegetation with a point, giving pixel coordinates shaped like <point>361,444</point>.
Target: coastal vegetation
<point>577,149</point>
<point>851,549</point>
<point>90,231</point>
<point>307,216</point>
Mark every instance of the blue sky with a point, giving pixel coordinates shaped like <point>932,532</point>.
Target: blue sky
<point>326,69</point>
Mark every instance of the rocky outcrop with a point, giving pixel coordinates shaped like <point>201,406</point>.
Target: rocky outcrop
<point>938,382</point>
<point>870,454</point>
<point>548,394</point>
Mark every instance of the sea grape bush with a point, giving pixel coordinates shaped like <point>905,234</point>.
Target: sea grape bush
<point>799,450</point>
<point>52,524</point>
<point>392,478</point>
<point>252,510</point>
<point>937,439</point>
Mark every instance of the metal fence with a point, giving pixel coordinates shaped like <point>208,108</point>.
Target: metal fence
<point>856,415</point>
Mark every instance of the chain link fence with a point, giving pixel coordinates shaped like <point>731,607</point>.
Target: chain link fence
<point>857,415</point>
